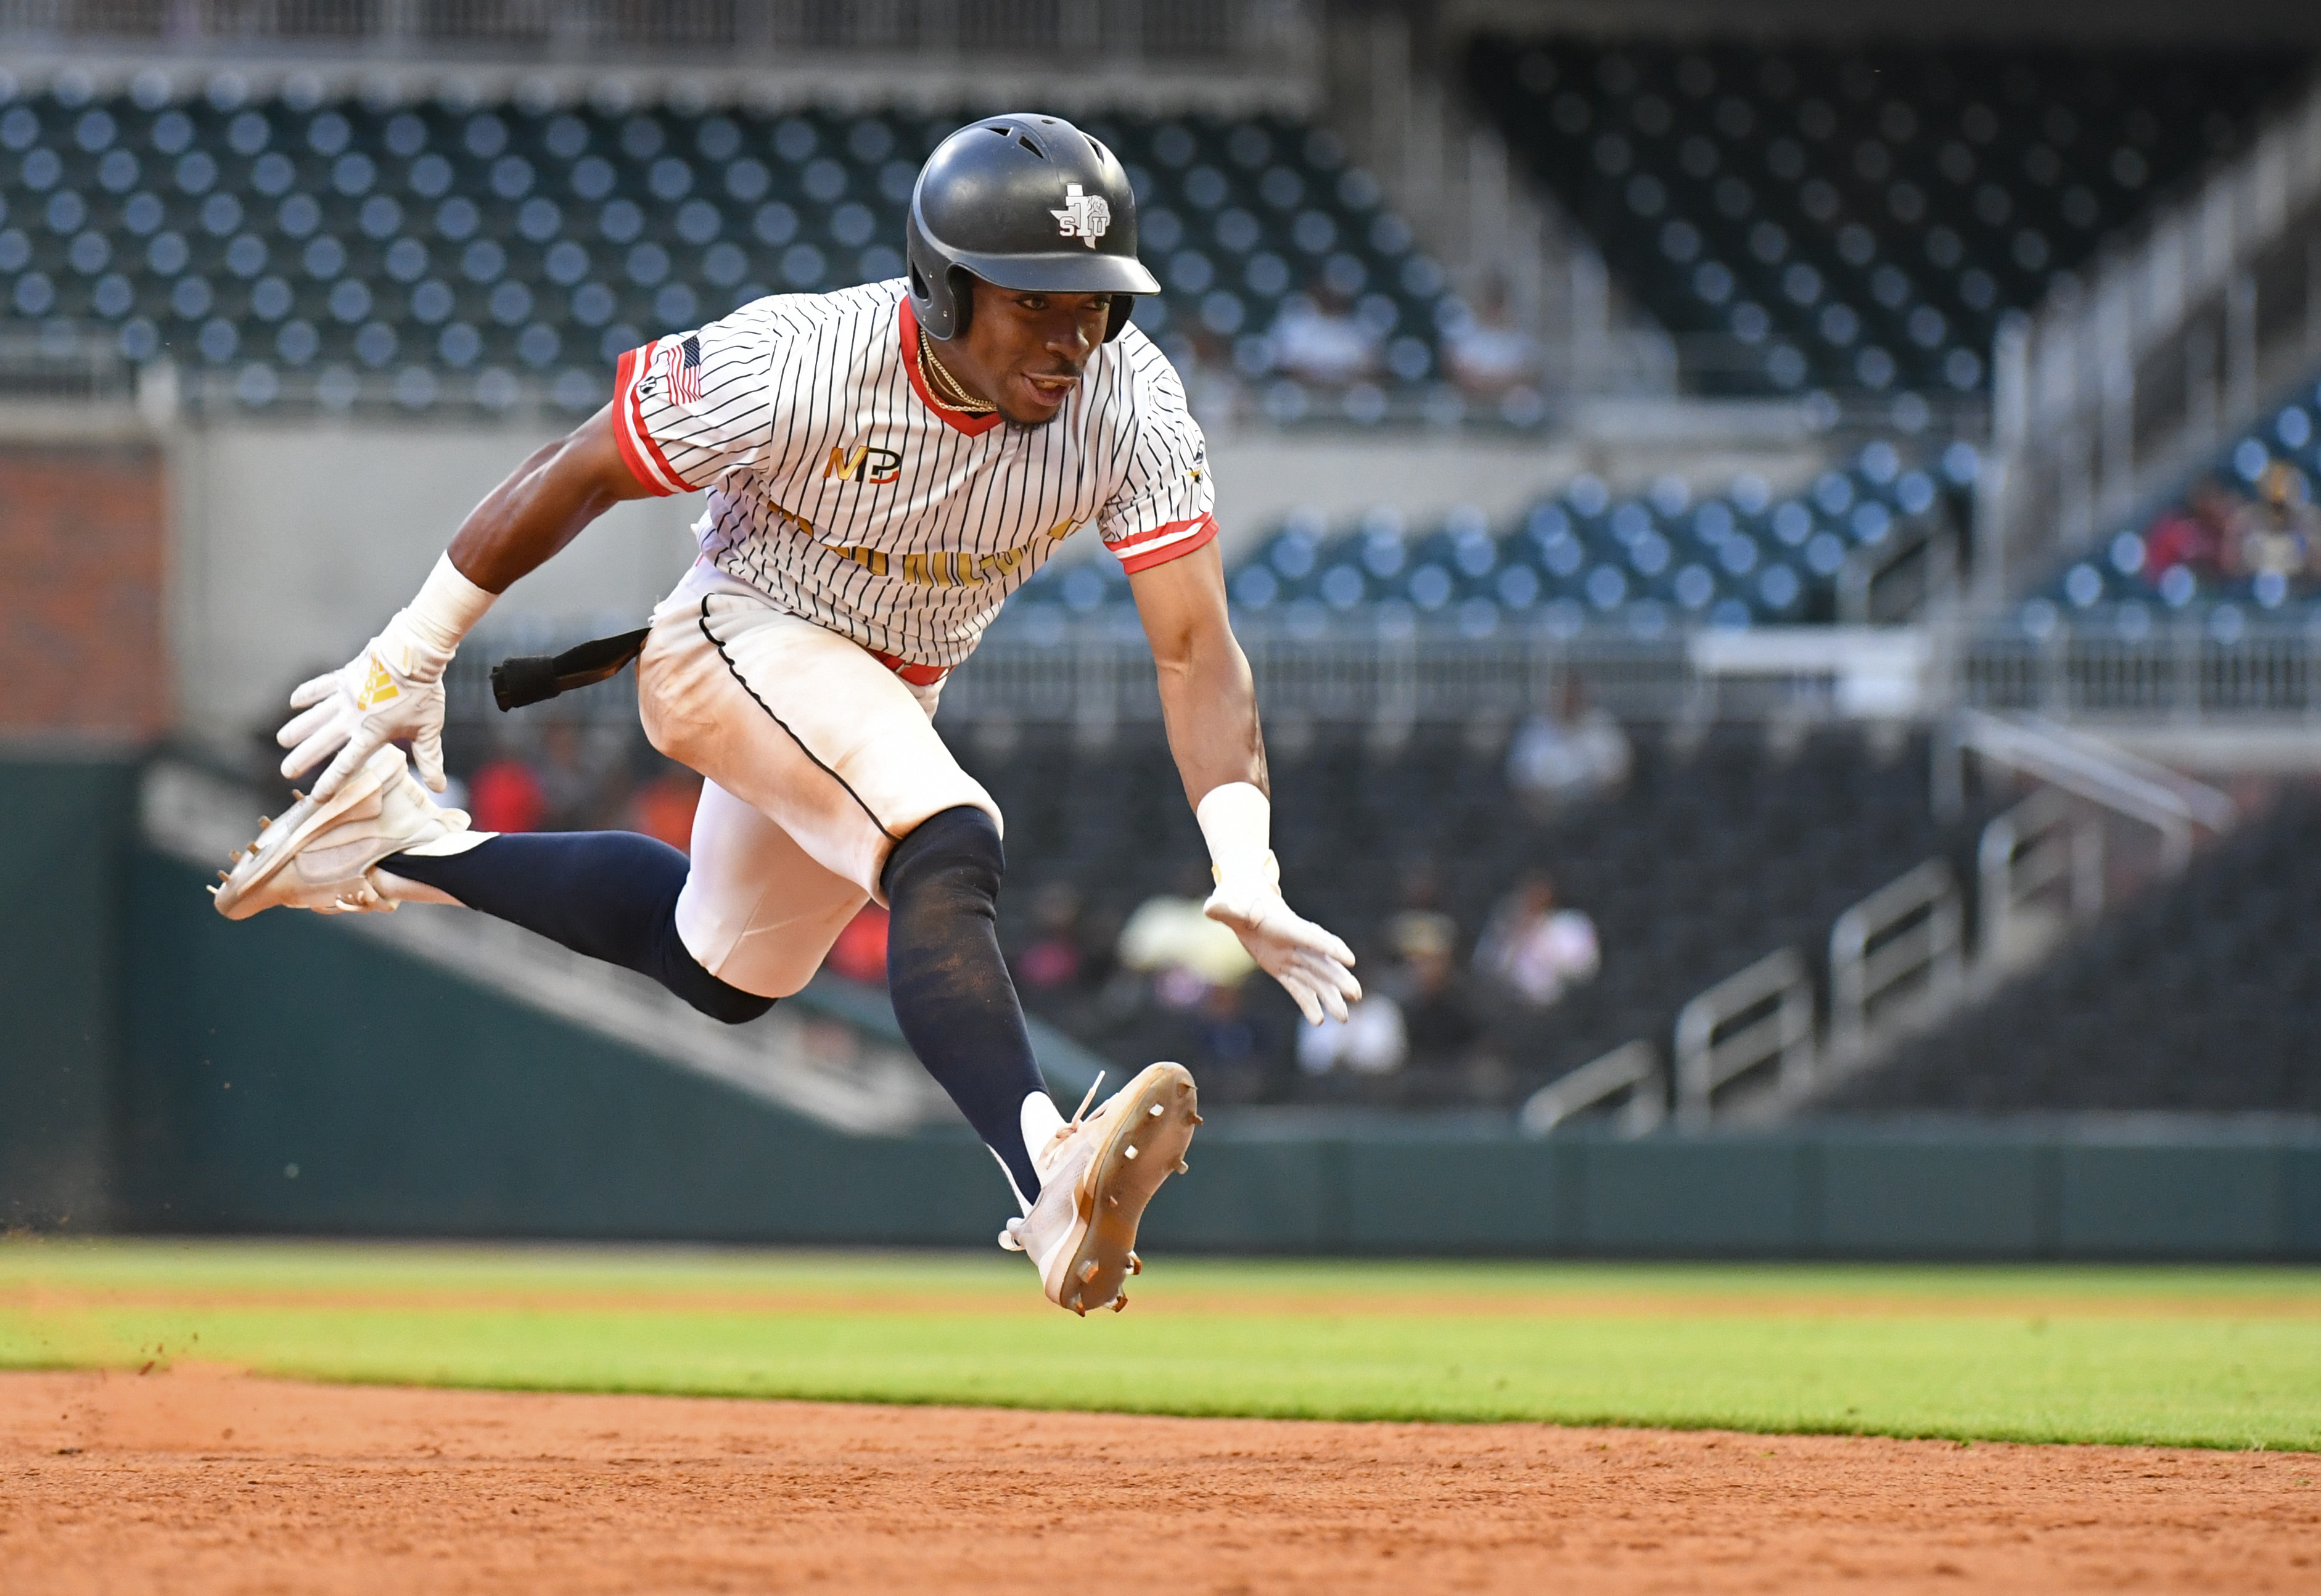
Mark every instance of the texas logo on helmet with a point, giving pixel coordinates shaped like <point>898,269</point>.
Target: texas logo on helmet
<point>1084,216</point>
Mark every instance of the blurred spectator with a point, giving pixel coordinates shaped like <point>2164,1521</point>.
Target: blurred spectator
<point>2202,536</point>
<point>1370,1041</point>
<point>505,795</point>
<point>1230,1043</point>
<point>1055,959</point>
<point>1537,950</point>
<point>1488,354</point>
<point>2278,536</point>
<point>1184,950</point>
<point>1316,338</point>
<point>1439,1020</point>
<point>1555,759</point>
<point>860,953</point>
<point>663,807</point>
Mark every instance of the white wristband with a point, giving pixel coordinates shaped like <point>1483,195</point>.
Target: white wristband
<point>426,632</point>
<point>1236,821</point>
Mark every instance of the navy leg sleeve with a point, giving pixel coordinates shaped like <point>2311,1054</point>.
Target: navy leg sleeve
<point>611,895</point>
<point>949,984</point>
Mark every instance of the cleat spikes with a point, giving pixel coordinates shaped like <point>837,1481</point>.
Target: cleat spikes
<point>210,889</point>
<point>224,877</point>
<point>1183,1168</point>
<point>1110,1200</point>
<point>1129,1151</point>
<point>1136,1264</point>
<point>1088,1272</point>
<point>1154,1111</point>
<point>1120,1302</point>
<point>1198,1120</point>
<point>263,822</point>
<point>296,796</point>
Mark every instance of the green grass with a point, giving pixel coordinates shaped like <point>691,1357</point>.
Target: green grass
<point>2208,1357</point>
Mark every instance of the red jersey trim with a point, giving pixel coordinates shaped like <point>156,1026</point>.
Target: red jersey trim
<point>974,426</point>
<point>640,454</point>
<point>1135,556</point>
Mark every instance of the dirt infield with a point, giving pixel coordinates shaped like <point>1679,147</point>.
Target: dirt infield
<point>203,1481</point>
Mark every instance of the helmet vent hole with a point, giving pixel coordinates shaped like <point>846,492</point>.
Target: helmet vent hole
<point>1035,148</point>
<point>1002,131</point>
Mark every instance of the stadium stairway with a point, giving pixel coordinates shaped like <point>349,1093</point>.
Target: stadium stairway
<point>2201,996</point>
<point>1724,845</point>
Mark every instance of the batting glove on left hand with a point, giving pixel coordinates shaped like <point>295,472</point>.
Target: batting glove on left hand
<point>392,690</point>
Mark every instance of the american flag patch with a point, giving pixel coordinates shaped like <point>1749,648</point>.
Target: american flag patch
<point>683,367</point>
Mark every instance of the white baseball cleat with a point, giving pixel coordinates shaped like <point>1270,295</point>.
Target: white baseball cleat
<point>320,855</point>
<point>1095,1176</point>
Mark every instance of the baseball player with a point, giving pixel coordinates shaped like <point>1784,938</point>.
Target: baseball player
<point>883,466</point>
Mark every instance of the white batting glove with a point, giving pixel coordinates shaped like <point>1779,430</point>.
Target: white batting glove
<point>391,691</point>
<point>1313,966</point>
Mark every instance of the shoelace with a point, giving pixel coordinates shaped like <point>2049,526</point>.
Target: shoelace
<point>1011,1239</point>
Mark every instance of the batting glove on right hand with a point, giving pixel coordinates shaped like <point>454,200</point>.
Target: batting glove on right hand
<point>392,690</point>
<point>1312,964</point>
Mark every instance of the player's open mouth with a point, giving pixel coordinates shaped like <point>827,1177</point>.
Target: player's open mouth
<point>1051,389</point>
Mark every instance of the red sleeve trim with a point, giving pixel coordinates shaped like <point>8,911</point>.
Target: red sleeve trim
<point>642,454</point>
<point>1136,555</point>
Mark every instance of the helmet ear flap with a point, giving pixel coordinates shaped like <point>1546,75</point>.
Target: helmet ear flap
<point>1122,305</point>
<point>961,284</point>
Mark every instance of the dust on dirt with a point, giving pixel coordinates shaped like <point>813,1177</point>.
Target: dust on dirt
<point>207,1481</point>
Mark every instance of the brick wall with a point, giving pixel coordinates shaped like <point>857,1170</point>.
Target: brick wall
<point>83,531</point>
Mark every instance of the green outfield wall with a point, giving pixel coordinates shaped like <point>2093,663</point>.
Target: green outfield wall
<point>65,820</point>
<point>168,1071</point>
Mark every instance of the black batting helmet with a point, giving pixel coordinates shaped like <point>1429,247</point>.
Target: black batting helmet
<point>1022,202</point>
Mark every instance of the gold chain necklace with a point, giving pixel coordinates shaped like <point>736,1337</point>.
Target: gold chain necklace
<point>954,397</point>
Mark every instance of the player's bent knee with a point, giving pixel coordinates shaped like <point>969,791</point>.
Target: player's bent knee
<point>730,1005</point>
<point>959,848</point>
<point>682,973</point>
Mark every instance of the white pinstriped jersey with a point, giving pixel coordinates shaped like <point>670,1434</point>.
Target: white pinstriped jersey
<point>840,489</point>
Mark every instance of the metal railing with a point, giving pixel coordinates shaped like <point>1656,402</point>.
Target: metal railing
<point>1633,1067</point>
<point>2198,667</point>
<point>2035,846</point>
<point>48,368</point>
<point>1763,1015</point>
<point>2139,789</point>
<point>1910,933</point>
<point>1901,578</point>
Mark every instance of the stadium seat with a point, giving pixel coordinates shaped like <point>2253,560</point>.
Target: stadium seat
<point>2136,580</point>
<point>1716,854</point>
<point>1649,564</point>
<point>1858,217</point>
<point>461,253</point>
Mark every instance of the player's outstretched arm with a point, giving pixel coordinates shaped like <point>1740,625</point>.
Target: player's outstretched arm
<point>1209,702</point>
<point>394,689</point>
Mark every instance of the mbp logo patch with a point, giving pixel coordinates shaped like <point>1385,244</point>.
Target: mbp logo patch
<point>863,463</point>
